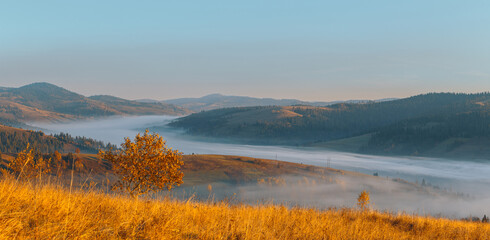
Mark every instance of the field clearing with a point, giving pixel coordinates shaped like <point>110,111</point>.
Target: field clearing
<point>51,212</point>
<point>204,169</point>
<point>352,144</point>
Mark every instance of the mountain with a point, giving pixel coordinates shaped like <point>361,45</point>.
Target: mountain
<point>140,108</point>
<point>48,102</point>
<point>438,118</point>
<point>217,101</point>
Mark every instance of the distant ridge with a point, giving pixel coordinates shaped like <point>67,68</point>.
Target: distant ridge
<point>217,101</point>
<point>48,102</point>
<point>142,108</point>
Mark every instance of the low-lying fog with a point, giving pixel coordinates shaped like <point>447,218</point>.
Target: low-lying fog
<point>468,177</point>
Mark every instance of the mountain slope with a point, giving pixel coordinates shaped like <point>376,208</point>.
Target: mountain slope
<point>450,135</point>
<point>47,102</point>
<point>311,125</point>
<point>48,97</point>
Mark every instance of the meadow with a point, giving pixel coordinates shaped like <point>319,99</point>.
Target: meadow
<point>49,211</point>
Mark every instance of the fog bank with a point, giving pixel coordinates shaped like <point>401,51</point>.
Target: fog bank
<point>468,177</point>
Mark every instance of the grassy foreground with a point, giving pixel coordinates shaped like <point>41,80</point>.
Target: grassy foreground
<point>49,212</point>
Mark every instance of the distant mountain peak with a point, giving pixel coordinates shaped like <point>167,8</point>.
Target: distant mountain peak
<point>214,95</point>
<point>43,88</point>
<point>42,85</point>
<point>46,88</point>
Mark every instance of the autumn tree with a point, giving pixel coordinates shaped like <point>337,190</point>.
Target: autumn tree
<point>78,161</point>
<point>363,200</point>
<point>58,163</point>
<point>27,165</point>
<point>145,165</point>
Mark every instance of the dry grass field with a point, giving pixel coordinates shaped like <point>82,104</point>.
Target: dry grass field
<point>47,211</point>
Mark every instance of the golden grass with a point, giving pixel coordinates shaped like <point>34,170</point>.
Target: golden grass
<point>49,212</point>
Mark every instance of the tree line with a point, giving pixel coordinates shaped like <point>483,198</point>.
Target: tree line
<point>14,141</point>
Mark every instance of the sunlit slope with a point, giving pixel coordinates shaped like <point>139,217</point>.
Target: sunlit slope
<point>252,180</point>
<point>47,102</point>
<point>207,169</point>
<point>13,112</point>
<point>204,169</point>
<point>50,212</point>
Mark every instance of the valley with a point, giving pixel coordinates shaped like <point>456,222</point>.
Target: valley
<point>467,178</point>
<point>227,149</point>
<point>244,120</point>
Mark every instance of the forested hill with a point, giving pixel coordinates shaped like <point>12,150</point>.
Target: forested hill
<point>304,125</point>
<point>14,140</point>
<point>47,102</point>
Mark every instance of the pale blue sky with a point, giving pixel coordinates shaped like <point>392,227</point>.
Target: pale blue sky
<point>310,50</point>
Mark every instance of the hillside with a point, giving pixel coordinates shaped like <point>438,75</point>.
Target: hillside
<point>48,211</point>
<point>47,102</point>
<point>205,169</point>
<point>301,125</point>
<point>218,101</point>
<point>201,170</point>
<point>454,135</point>
<point>251,181</point>
<point>247,186</point>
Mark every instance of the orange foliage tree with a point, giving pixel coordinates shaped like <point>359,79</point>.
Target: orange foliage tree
<point>26,165</point>
<point>363,200</point>
<point>58,163</point>
<point>145,165</point>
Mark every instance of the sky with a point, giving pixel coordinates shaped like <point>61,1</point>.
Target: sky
<point>308,50</point>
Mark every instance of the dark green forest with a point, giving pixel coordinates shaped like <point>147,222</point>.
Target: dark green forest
<point>14,141</point>
<point>416,136</point>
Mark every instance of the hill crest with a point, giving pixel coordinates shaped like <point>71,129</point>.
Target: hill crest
<point>218,101</point>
